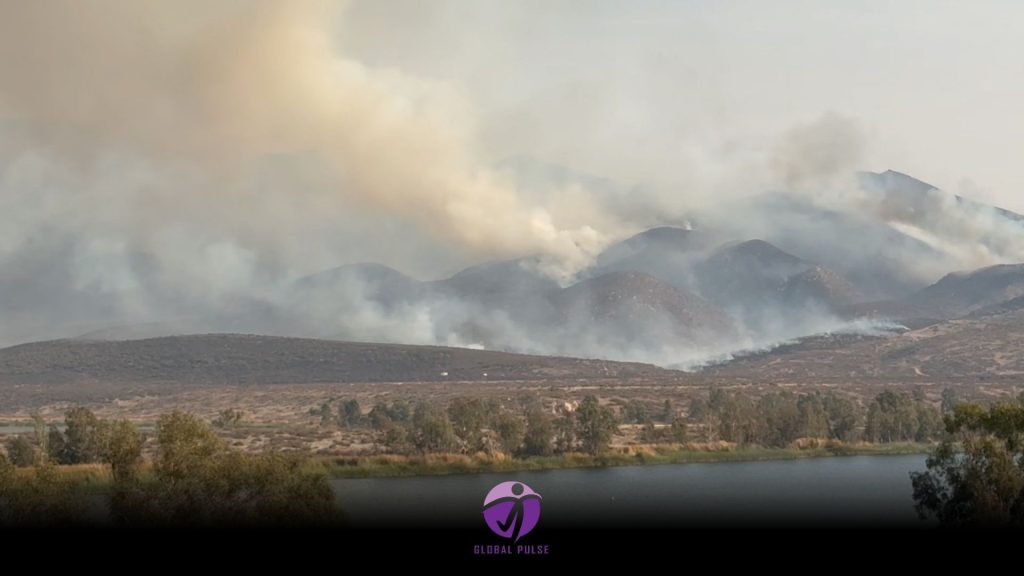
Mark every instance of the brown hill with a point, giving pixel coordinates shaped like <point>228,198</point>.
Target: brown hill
<point>253,360</point>
<point>668,253</point>
<point>820,285</point>
<point>908,199</point>
<point>746,274</point>
<point>971,349</point>
<point>502,283</point>
<point>959,294</point>
<point>954,296</point>
<point>632,305</point>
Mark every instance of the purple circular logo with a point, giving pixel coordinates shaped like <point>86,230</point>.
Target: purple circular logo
<point>512,510</point>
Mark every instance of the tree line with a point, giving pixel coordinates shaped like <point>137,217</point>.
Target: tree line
<point>776,419</point>
<point>975,476</point>
<point>193,478</point>
<point>471,425</point>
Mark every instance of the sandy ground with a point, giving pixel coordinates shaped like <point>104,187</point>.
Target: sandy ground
<point>286,416</point>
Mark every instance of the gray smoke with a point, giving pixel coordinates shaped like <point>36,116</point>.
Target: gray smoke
<point>182,167</point>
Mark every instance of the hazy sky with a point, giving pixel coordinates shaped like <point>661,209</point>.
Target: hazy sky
<point>644,89</point>
<point>177,158</point>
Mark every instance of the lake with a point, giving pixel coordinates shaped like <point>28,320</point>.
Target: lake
<point>17,429</point>
<point>841,491</point>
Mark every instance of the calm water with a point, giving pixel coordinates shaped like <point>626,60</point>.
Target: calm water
<point>12,429</point>
<point>836,491</point>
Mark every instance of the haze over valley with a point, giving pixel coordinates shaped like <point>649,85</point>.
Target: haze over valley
<point>364,192</point>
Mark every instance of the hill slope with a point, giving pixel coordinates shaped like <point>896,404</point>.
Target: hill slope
<point>746,274</point>
<point>668,253</point>
<point>954,296</point>
<point>253,360</point>
<point>969,349</point>
<point>633,307</point>
<point>821,285</point>
<point>911,200</point>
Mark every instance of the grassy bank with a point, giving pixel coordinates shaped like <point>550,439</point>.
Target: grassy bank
<point>96,477</point>
<point>442,464</point>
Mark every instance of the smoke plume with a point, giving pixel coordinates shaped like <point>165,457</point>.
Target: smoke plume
<point>182,164</point>
<point>172,118</point>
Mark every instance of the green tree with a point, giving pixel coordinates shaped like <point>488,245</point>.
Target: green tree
<point>596,425</point>
<point>398,411</point>
<point>706,416</point>
<point>716,398</point>
<point>777,420</point>
<point>634,412</point>
<point>394,436</point>
<point>813,417</point>
<point>975,476</point>
<point>278,488</point>
<point>46,498</point>
<point>228,418</point>
<point>199,480</point>
<point>509,430</point>
<point>391,434</point>
<point>738,419</point>
<point>668,412</point>
<point>433,431</point>
<point>56,445</point>
<point>326,415</point>
<point>378,416</point>
<point>929,421</point>
<point>7,472</point>
<point>843,415</point>
<point>469,417</point>
<point>84,436</point>
<point>23,451</point>
<point>350,414</point>
<point>539,431</point>
<point>565,432</point>
<point>900,416</point>
<point>42,437</point>
<point>123,451</point>
<point>698,410</point>
<point>680,430</point>
<point>185,445</point>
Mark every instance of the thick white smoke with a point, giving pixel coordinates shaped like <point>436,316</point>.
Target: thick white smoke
<point>242,120</point>
<point>154,155</point>
<point>183,163</point>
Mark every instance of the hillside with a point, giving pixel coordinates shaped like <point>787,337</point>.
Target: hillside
<point>254,360</point>
<point>632,305</point>
<point>666,252</point>
<point>911,200</point>
<point>503,283</point>
<point>746,274</point>
<point>954,296</point>
<point>820,285</point>
<point>969,349</point>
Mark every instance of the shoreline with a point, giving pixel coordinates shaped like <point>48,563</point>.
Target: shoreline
<point>396,466</point>
<point>95,478</point>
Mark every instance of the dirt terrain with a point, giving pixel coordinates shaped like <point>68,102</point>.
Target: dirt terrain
<point>279,384</point>
<point>255,360</point>
<point>976,349</point>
